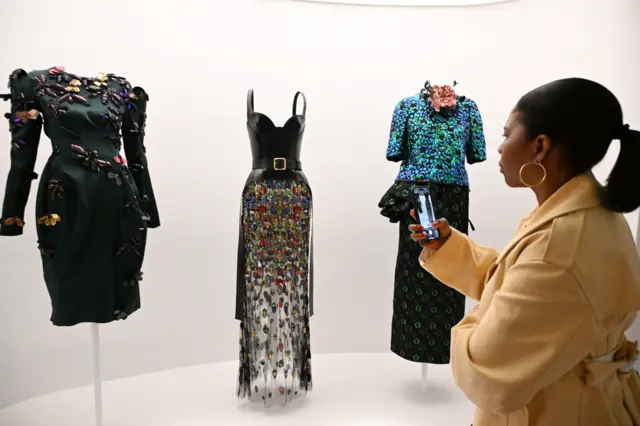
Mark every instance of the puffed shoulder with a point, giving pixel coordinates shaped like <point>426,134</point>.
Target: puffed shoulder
<point>409,101</point>
<point>19,79</point>
<point>17,74</point>
<point>400,104</point>
<point>141,94</point>
<point>464,100</point>
<point>21,84</point>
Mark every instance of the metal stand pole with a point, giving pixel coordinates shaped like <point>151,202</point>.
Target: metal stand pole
<point>425,370</point>
<point>97,374</point>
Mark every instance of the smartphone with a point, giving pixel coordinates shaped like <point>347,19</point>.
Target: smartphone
<point>424,211</point>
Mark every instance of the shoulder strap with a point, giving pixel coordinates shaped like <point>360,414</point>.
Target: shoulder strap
<point>304,104</point>
<point>249,102</point>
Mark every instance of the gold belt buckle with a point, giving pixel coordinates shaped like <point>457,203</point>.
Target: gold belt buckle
<point>275,163</point>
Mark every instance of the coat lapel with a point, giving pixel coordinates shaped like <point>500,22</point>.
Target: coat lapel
<point>579,193</point>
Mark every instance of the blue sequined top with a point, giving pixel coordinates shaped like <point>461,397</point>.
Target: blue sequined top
<point>432,145</point>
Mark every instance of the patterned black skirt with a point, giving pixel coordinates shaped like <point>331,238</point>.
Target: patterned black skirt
<point>424,309</point>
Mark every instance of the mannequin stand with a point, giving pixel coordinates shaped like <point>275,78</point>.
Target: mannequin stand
<point>97,374</point>
<point>425,370</point>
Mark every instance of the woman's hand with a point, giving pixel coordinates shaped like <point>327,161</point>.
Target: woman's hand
<point>418,235</point>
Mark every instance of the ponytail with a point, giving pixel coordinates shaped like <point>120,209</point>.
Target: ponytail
<point>622,190</point>
<point>582,117</point>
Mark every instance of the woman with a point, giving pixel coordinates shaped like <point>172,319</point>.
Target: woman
<point>546,344</point>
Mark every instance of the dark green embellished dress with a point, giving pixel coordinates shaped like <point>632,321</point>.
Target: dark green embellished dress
<point>93,207</point>
<point>432,146</point>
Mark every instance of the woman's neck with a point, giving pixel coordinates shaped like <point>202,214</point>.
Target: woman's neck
<point>550,186</point>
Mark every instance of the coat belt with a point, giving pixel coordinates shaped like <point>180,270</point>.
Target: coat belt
<point>619,362</point>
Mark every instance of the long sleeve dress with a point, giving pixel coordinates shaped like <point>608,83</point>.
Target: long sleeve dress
<point>93,205</point>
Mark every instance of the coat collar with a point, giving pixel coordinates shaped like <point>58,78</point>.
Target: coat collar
<point>580,193</point>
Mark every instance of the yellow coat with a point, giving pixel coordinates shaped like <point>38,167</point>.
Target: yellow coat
<point>546,346</point>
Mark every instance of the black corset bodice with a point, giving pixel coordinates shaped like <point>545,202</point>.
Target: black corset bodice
<point>273,147</point>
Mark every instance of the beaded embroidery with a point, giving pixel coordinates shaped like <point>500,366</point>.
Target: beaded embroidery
<point>275,353</point>
<point>432,145</point>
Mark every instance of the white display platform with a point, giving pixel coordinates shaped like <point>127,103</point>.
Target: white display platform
<point>349,390</point>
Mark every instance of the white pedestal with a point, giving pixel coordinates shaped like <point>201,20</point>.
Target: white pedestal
<point>348,390</point>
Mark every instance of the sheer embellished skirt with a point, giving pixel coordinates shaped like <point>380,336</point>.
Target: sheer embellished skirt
<point>275,353</point>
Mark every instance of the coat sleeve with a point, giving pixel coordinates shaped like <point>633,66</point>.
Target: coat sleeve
<point>476,148</point>
<point>25,123</point>
<point>460,263</point>
<point>133,133</point>
<point>539,325</point>
<point>397,147</point>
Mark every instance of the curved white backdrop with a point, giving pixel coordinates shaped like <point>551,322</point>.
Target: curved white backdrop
<point>412,3</point>
<point>197,60</point>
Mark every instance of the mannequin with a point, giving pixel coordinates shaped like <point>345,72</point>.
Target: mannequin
<point>274,280</point>
<point>93,205</point>
<point>432,133</point>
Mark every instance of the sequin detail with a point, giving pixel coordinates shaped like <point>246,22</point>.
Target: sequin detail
<point>432,145</point>
<point>49,220</point>
<point>14,221</point>
<point>275,352</point>
<point>82,188</point>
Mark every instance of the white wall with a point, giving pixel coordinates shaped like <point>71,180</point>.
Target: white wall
<point>197,59</point>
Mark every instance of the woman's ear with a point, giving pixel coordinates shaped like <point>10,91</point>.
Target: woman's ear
<point>542,146</point>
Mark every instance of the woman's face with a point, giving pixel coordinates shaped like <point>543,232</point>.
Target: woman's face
<point>515,151</point>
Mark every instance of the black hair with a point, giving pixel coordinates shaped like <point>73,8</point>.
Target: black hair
<point>582,117</point>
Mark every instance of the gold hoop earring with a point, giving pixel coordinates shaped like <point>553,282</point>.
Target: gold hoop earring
<point>535,163</point>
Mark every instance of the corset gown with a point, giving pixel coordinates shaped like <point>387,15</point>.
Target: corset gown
<point>93,207</point>
<point>274,277</point>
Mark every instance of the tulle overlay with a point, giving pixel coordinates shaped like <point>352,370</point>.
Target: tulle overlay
<point>275,353</point>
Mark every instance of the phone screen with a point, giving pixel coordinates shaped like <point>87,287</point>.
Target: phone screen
<point>426,216</point>
<point>426,211</point>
